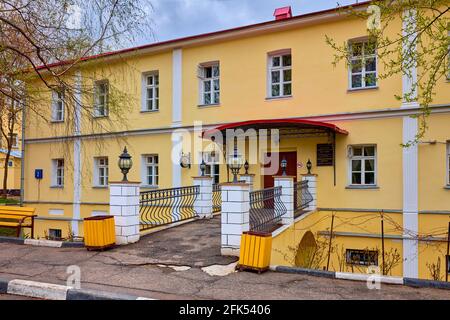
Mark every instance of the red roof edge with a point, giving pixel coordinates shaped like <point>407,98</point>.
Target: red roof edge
<point>204,35</point>
<point>326,125</point>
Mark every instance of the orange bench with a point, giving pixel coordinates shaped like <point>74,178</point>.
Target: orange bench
<point>17,218</point>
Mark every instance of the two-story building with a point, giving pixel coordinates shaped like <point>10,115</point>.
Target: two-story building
<point>272,75</point>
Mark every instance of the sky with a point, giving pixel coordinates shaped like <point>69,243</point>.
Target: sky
<point>173,19</point>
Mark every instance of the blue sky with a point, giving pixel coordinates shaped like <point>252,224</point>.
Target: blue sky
<point>178,18</point>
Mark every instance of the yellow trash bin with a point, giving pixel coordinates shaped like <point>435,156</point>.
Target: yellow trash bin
<point>255,251</point>
<point>99,232</point>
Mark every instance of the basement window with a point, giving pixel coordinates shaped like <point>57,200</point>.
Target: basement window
<point>361,257</point>
<point>54,234</point>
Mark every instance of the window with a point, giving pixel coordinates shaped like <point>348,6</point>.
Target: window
<point>54,234</point>
<point>212,166</point>
<point>448,163</point>
<point>362,165</point>
<point>58,172</point>
<point>10,163</point>
<point>151,92</point>
<point>14,140</point>
<point>361,257</point>
<point>280,75</point>
<point>58,105</point>
<point>101,171</point>
<point>209,84</point>
<point>363,65</point>
<point>151,170</point>
<point>101,89</point>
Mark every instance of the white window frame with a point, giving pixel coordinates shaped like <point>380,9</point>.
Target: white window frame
<point>281,68</point>
<point>58,106</point>
<point>154,87</point>
<point>101,110</point>
<point>204,79</point>
<point>146,164</point>
<point>58,172</point>
<point>362,158</point>
<point>212,165</point>
<point>101,171</point>
<point>363,57</point>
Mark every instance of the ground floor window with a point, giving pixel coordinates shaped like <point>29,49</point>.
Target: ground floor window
<point>101,171</point>
<point>212,166</point>
<point>361,257</point>
<point>151,170</point>
<point>362,164</point>
<point>58,172</point>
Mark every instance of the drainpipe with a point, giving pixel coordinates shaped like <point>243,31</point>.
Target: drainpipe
<point>22,159</point>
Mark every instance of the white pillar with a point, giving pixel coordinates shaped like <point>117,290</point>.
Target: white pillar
<point>312,188</point>
<point>287,196</point>
<point>203,204</point>
<point>249,179</point>
<point>235,216</point>
<point>124,206</point>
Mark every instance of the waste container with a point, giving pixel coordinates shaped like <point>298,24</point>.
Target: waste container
<point>255,251</point>
<point>99,232</point>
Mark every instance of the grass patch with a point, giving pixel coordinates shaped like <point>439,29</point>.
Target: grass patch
<point>4,201</point>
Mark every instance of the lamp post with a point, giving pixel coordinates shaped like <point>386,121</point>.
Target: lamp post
<point>309,166</point>
<point>235,164</point>
<point>203,167</point>
<point>283,167</point>
<point>246,166</point>
<point>125,163</point>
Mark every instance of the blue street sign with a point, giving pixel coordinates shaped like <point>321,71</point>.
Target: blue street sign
<point>38,173</point>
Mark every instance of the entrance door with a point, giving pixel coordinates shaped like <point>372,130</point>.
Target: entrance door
<point>291,169</point>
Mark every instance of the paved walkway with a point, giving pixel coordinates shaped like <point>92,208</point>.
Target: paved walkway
<point>149,268</point>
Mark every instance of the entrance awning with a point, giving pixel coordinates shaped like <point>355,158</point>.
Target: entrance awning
<point>284,125</point>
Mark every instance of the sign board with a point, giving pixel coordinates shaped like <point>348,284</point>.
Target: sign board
<point>38,174</point>
<point>324,154</point>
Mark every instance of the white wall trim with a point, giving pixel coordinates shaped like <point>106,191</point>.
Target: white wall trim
<point>77,156</point>
<point>177,76</point>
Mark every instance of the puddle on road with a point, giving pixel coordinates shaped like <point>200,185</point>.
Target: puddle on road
<point>220,270</point>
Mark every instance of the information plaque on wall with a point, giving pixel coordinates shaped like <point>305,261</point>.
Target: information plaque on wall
<point>324,154</point>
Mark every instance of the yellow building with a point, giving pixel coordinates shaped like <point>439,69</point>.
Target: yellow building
<point>279,75</point>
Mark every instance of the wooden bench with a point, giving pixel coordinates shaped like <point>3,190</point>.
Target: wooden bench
<point>17,218</point>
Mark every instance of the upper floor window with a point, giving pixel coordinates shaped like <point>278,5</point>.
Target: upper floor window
<point>150,170</point>
<point>280,75</point>
<point>101,171</point>
<point>101,91</point>
<point>209,75</point>
<point>151,92</point>
<point>362,165</point>
<point>363,65</point>
<point>58,105</point>
<point>14,140</point>
<point>58,172</point>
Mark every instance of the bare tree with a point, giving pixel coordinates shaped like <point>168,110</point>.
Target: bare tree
<point>43,43</point>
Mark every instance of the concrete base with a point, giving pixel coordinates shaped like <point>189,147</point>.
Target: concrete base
<point>230,252</point>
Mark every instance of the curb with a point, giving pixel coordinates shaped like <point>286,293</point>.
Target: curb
<point>50,291</point>
<point>410,282</point>
<point>41,243</point>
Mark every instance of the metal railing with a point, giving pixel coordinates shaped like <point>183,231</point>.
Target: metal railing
<point>164,206</point>
<point>266,209</point>
<point>302,197</point>
<point>216,198</point>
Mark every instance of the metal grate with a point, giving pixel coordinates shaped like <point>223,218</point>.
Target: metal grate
<point>302,197</point>
<point>164,206</point>
<point>266,209</point>
<point>216,198</point>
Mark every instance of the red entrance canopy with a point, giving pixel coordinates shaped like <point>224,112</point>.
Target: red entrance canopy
<point>276,124</point>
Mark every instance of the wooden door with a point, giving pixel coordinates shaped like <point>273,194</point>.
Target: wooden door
<point>291,169</point>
